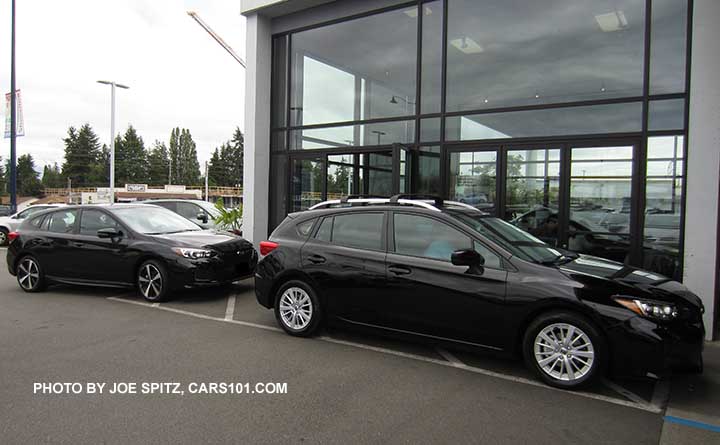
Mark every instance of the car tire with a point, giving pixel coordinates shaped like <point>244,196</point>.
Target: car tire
<point>297,308</point>
<point>152,281</point>
<point>4,236</point>
<point>564,350</point>
<point>30,275</point>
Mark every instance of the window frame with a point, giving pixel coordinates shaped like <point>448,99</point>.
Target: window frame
<point>49,218</point>
<point>108,214</point>
<point>383,230</point>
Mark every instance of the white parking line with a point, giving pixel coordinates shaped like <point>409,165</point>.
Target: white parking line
<point>450,357</point>
<point>156,305</point>
<point>230,310</point>
<point>457,364</point>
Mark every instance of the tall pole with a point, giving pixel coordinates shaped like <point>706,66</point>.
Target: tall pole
<point>112,143</point>
<point>13,116</point>
<point>207,190</point>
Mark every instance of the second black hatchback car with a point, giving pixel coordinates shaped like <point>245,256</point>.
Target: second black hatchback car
<point>448,273</point>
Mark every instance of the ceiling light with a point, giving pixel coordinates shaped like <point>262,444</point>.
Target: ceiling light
<point>467,45</point>
<point>612,21</point>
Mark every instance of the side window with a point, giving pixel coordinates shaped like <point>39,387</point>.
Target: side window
<point>361,230</point>
<point>36,223</point>
<point>62,221</point>
<point>491,260</point>
<point>27,212</point>
<point>168,205</point>
<point>188,210</point>
<point>325,230</point>
<point>426,237</point>
<point>304,227</point>
<point>93,220</point>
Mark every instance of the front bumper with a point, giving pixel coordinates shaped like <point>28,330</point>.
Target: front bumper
<point>185,273</point>
<point>642,347</point>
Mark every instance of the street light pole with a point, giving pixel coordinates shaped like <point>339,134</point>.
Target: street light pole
<point>112,133</point>
<point>13,116</point>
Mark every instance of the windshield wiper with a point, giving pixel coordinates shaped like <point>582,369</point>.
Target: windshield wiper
<point>563,258</point>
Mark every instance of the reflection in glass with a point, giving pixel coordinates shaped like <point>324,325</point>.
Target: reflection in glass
<point>666,114</point>
<point>504,53</point>
<point>663,206</point>
<point>431,65</point>
<point>376,174</point>
<point>385,133</point>
<point>612,118</point>
<point>279,82</point>
<point>428,171</point>
<point>600,201</point>
<point>532,190</point>
<point>307,176</point>
<point>340,171</point>
<point>278,189</point>
<point>667,46</point>
<point>336,83</point>
<point>473,178</point>
<point>430,129</point>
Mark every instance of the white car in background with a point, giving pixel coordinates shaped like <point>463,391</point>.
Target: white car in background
<point>11,223</point>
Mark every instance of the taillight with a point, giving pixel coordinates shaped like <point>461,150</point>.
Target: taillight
<point>267,246</point>
<point>12,236</point>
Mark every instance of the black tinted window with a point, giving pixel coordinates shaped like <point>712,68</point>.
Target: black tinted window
<point>426,237</point>
<point>189,210</point>
<point>35,223</point>
<point>325,230</point>
<point>94,220</point>
<point>63,221</point>
<point>361,230</point>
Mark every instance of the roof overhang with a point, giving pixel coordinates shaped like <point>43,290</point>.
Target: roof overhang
<point>277,8</point>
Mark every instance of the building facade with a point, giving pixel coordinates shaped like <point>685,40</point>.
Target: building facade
<point>592,124</point>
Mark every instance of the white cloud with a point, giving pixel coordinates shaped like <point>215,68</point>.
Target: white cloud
<point>178,75</point>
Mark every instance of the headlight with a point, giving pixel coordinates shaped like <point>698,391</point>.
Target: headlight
<point>657,310</point>
<point>193,254</point>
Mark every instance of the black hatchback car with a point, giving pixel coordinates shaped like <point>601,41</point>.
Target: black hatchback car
<point>448,273</point>
<point>146,247</point>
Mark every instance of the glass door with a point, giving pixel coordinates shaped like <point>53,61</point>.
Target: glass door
<point>473,178</point>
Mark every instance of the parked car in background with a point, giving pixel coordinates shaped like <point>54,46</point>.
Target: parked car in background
<point>202,213</point>
<point>447,273</point>
<point>125,245</point>
<point>5,210</point>
<point>12,222</point>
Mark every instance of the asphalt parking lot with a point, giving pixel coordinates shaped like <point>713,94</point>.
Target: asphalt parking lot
<point>341,387</point>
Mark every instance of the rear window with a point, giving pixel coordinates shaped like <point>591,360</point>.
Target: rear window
<point>35,223</point>
<point>304,227</point>
<point>360,230</point>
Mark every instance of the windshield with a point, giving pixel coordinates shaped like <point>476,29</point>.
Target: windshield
<point>209,208</point>
<point>514,240</point>
<point>150,220</point>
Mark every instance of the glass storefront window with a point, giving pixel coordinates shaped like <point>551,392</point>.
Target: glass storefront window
<point>431,62</point>
<point>663,205</point>
<point>503,53</point>
<point>668,40</point>
<point>279,82</point>
<point>340,174</point>
<point>596,119</point>
<point>376,174</point>
<point>428,171</point>
<point>374,77</point>
<point>473,178</point>
<point>600,201</point>
<point>532,190</point>
<point>430,129</point>
<point>306,186</point>
<point>386,133</point>
<point>666,114</point>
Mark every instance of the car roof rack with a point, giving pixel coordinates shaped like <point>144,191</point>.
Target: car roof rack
<point>430,202</point>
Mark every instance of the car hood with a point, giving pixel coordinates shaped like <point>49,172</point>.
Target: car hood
<point>610,276</point>
<point>202,239</point>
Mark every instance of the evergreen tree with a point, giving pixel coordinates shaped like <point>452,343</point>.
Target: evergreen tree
<point>183,153</point>
<point>28,181</point>
<point>100,173</point>
<point>130,159</point>
<point>52,177</point>
<point>216,170</point>
<point>3,180</point>
<point>236,159</point>
<point>158,164</point>
<point>82,152</point>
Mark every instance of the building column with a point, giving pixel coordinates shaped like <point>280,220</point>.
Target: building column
<point>258,47</point>
<point>703,169</point>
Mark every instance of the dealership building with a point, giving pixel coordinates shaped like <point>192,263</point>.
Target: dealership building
<point>593,124</point>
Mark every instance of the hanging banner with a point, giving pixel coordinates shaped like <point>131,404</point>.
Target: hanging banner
<point>20,128</point>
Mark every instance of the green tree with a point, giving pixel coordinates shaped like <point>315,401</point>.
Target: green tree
<point>183,155</point>
<point>28,179</point>
<point>82,152</point>
<point>130,159</point>
<point>216,170</point>
<point>52,177</point>
<point>235,158</point>
<point>100,172</point>
<point>158,164</point>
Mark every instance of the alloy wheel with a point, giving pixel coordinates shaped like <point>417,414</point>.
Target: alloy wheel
<point>150,281</point>
<point>3,237</point>
<point>564,352</point>
<point>296,308</point>
<point>28,274</point>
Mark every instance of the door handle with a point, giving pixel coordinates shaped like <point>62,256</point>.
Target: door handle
<point>399,270</point>
<point>316,259</point>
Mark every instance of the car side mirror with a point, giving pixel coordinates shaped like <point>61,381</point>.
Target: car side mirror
<point>202,216</point>
<point>467,257</point>
<point>109,233</point>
